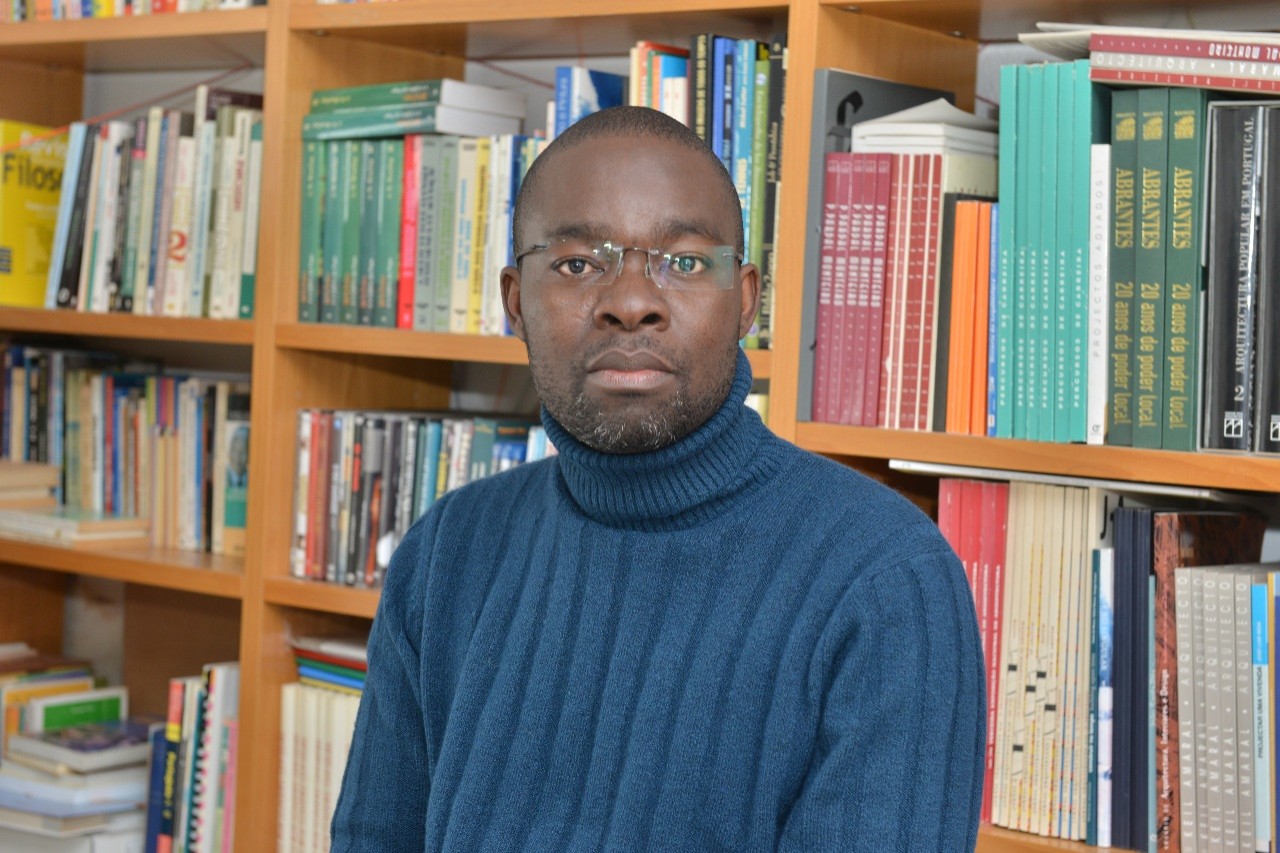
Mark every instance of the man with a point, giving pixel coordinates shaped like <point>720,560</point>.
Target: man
<point>682,633</point>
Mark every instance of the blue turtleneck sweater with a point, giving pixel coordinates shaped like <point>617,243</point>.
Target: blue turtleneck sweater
<point>727,644</point>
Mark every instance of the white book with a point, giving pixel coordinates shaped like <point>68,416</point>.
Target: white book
<point>252,203</point>
<point>69,708</point>
<point>115,156</point>
<point>142,267</point>
<point>492,316</point>
<point>301,487</point>
<point>202,208</point>
<point>1185,639</point>
<point>222,699</point>
<point>85,296</point>
<point>290,772</point>
<point>176,286</point>
<point>309,747</point>
<point>66,202</point>
<point>464,213</point>
<point>1099,280</point>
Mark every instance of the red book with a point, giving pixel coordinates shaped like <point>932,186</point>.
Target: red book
<point>1242,47</point>
<point>1180,539</point>
<point>840,338</point>
<point>894,298</point>
<point>822,355</point>
<point>992,539</point>
<point>916,308</point>
<point>878,249</point>
<point>1171,78</point>
<point>970,534</point>
<point>408,233</point>
<point>323,657</point>
<point>930,272</point>
<point>861,202</point>
<point>948,520</point>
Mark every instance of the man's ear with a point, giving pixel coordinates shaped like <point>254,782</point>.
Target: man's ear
<point>511,300</point>
<point>749,279</point>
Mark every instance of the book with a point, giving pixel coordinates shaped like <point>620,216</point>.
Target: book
<point>1266,396</point>
<point>444,91</point>
<point>50,713</point>
<point>842,100</point>
<point>1124,165</point>
<point>376,121</point>
<point>29,199</point>
<point>1236,136</point>
<point>72,527</point>
<point>89,747</point>
<point>1149,266</point>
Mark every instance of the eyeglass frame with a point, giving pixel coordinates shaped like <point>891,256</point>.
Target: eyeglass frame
<point>650,253</point>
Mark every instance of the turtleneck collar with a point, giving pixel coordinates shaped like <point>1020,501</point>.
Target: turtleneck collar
<point>680,485</point>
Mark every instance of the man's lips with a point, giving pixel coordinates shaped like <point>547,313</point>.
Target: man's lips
<point>628,361</point>
<point>628,371</point>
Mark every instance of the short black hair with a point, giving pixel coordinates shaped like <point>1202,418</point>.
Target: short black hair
<point>625,121</point>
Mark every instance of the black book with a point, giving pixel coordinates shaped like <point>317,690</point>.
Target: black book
<point>1266,403</point>
<point>115,272</point>
<point>1122,679</point>
<point>1236,136</point>
<point>69,283</point>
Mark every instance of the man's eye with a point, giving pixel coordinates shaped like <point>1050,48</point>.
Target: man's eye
<point>689,263</point>
<point>574,266</point>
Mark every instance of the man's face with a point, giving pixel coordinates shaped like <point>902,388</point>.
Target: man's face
<point>629,367</point>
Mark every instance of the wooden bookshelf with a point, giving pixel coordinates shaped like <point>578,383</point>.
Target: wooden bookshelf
<point>189,571</point>
<point>186,607</point>
<point>130,326</point>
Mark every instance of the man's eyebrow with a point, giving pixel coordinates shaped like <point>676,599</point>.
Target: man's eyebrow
<point>666,231</point>
<point>674,228</point>
<point>593,231</point>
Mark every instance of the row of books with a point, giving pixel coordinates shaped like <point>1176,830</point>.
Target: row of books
<point>364,477</point>
<point>411,232</point>
<point>1128,692</point>
<point>403,223</point>
<point>130,441</point>
<point>317,720</point>
<point>15,11</point>
<point>160,215</point>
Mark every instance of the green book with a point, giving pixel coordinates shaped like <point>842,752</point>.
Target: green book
<point>371,164</point>
<point>471,96</point>
<point>349,250</point>
<point>1024,263</point>
<point>759,155</point>
<point>1149,272</point>
<point>311,232</point>
<point>1031,287</point>
<point>331,231</point>
<point>1124,164</point>
<point>373,122</point>
<point>1007,258</point>
<point>1183,274</point>
<point>387,269</point>
<point>1042,385</point>
<point>1066,375</point>
<point>252,206</point>
<point>85,707</point>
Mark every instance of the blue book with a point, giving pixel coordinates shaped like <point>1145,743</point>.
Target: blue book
<point>324,675</point>
<point>744,76</point>
<point>1260,633</point>
<point>993,325</point>
<point>155,787</point>
<point>564,74</point>
<point>592,91</point>
<point>720,97</point>
<point>430,465</point>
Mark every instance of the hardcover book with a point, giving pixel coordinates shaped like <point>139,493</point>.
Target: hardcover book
<point>32,177</point>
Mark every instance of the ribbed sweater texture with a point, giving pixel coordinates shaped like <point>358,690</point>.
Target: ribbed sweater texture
<point>726,644</point>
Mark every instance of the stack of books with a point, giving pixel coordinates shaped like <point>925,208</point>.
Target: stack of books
<point>74,770</point>
<point>317,720</point>
<point>28,485</point>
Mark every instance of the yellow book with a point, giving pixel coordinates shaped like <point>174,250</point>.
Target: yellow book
<point>31,170</point>
<point>479,233</point>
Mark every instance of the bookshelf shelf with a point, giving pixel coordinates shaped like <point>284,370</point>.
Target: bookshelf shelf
<point>1210,470</point>
<point>187,571</point>
<point>492,29</point>
<point>190,41</point>
<point>322,597</point>
<point>403,343</point>
<point>993,839</point>
<point>191,330</point>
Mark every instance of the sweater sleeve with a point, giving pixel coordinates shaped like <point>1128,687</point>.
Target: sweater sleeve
<point>383,802</point>
<point>897,765</point>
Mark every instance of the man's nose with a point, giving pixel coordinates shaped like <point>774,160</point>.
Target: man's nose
<point>634,300</point>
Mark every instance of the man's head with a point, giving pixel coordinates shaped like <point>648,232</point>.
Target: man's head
<point>629,366</point>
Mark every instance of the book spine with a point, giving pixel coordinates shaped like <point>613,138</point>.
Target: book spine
<point>1026,230</point>
<point>1260,633</point>
<point>772,174</point>
<point>886,231</point>
<point>701,83</point>
<point>1002,415</point>
<point>1266,398</point>
<point>387,262</point>
<point>447,225</point>
<point>379,94</point>
<point>409,194</point>
<point>754,211</point>
<point>331,232</point>
<point>310,257</point>
<point>372,162</point>
<point>1243,49</point>
<point>426,239</point>
<point>1236,134</point>
<point>1099,226</point>
<point>479,234</point>
<point>76,135</point>
<point>357,164</point>
<point>743,129</point>
<point>1124,164</point>
<point>1149,266</point>
<point>1170,78</point>
<point>1183,273</point>
<point>252,197</point>
<point>824,360</point>
<point>720,100</point>
<point>1184,65</point>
